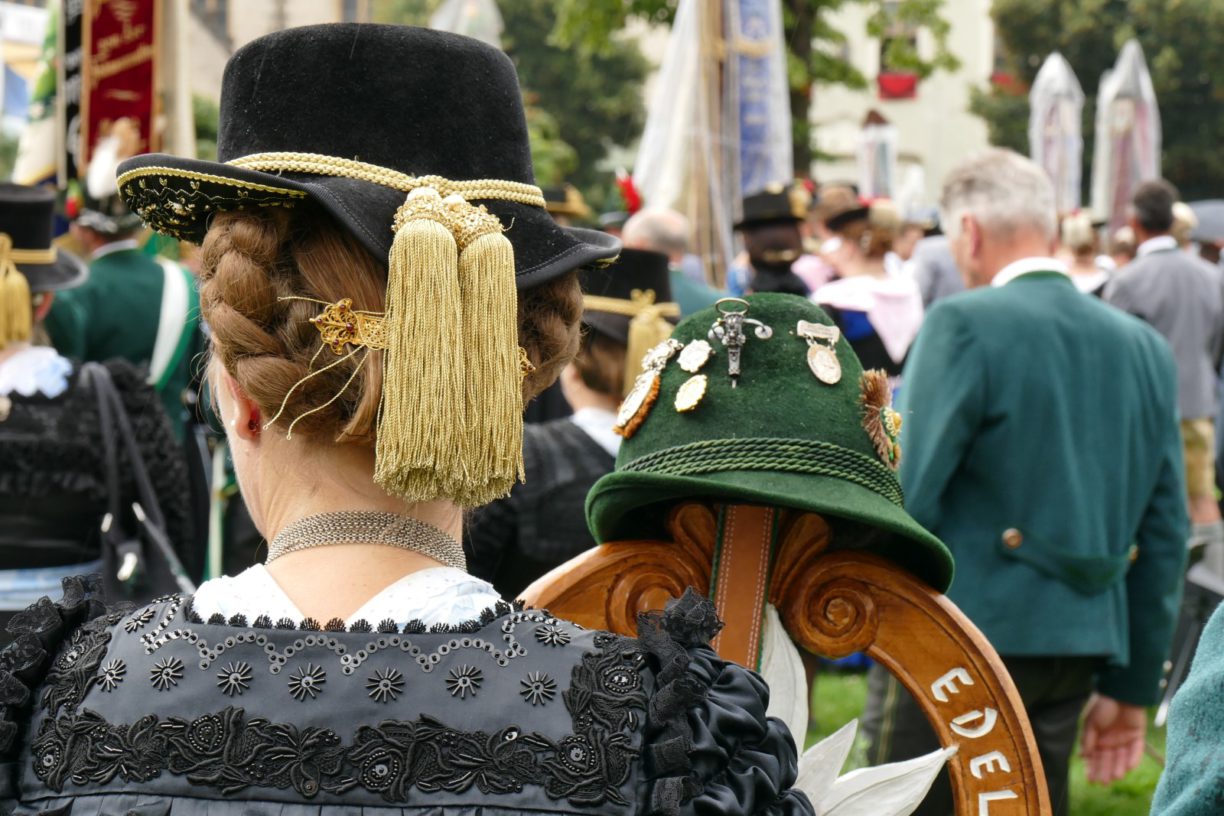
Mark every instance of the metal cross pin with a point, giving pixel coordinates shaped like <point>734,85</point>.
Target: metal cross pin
<point>728,329</point>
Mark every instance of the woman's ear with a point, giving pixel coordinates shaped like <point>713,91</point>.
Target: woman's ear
<point>241,415</point>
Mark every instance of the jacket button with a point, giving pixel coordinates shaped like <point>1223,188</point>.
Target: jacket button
<point>1013,538</point>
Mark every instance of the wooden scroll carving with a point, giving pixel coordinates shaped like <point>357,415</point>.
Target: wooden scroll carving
<point>833,603</point>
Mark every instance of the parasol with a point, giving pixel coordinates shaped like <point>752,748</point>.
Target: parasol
<point>1056,141</point>
<point>1127,136</point>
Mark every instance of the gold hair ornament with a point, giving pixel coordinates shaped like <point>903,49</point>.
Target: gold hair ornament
<point>648,325</point>
<point>340,325</point>
<point>16,305</point>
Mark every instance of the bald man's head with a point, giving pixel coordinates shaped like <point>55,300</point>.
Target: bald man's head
<point>658,230</point>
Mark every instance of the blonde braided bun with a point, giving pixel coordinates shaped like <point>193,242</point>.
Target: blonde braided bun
<point>250,261</point>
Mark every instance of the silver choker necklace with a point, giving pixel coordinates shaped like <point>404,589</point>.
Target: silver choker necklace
<point>368,527</point>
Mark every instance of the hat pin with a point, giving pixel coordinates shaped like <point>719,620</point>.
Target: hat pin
<point>728,329</point>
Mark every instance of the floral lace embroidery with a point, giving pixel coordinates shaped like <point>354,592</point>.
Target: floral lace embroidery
<point>230,751</point>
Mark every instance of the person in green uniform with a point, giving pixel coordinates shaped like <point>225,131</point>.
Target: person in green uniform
<point>135,306</point>
<point>1042,446</point>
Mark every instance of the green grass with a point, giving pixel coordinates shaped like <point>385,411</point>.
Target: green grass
<point>839,698</point>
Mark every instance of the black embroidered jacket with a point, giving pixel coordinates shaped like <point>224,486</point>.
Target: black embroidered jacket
<point>156,711</point>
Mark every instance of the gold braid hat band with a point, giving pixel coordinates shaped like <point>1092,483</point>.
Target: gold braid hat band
<point>451,419</point>
<point>492,189</point>
<point>16,303</point>
<point>648,325</point>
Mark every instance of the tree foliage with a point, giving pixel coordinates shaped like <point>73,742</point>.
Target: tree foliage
<point>1180,42</point>
<point>594,96</point>
<point>580,103</point>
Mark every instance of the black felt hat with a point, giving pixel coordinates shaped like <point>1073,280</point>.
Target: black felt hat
<point>636,270</point>
<point>775,203</point>
<point>566,200</point>
<point>387,104</point>
<point>27,217</point>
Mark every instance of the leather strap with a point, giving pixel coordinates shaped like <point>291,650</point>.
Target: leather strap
<point>741,581</point>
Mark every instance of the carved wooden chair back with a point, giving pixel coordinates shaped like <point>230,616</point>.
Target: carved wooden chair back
<point>833,603</point>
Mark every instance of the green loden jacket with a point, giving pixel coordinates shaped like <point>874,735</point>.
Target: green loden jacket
<point>1041,443</point>
<point>119,312</point>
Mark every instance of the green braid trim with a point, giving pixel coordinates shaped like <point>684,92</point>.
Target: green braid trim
<point>805,456</point>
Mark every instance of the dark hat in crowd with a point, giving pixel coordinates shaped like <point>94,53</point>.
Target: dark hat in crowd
<point>107,216</point>
<point>631,302</point>
<point>27,220</point>
<point>614,220</point>
<point>777,202</point>
<point>352,117</point>
<point>566,201</point>
<point>840,206</point>
<point>29,263</point>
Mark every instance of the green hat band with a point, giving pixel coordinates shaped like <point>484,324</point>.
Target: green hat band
<point>807,456</point>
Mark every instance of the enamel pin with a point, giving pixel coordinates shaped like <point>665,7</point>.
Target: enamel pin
<point>641,398</point>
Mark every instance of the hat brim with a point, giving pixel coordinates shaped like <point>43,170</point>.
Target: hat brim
<point>842,219</point>
<point>631,505</point>
<point>178,197</point>
<point>108,224</point>
<point>766,220</point>
<point>614,327</point>
<point>66,272</point>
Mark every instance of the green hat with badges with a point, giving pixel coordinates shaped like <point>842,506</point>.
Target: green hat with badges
<point>761,400</point>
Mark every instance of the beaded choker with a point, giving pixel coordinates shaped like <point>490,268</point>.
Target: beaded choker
<point>367,527</point>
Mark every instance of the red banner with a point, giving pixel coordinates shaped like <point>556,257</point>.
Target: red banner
<point>119,75</point>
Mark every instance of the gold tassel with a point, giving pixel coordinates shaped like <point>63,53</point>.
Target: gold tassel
<point>16,304</point>
<point>647,329</point>
<point>492,445</point>
<point>422,418</point>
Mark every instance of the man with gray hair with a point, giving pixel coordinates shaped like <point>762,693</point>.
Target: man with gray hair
<point>1041,444</point>
<point>667,231</point>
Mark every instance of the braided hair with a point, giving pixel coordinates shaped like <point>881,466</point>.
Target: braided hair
<point>252,262</point>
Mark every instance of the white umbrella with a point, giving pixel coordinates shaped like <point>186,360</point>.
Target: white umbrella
<point>1127,136</point>
<point>1056,140</point>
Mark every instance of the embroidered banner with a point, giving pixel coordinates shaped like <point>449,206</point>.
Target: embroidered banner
<point>119,72</point>
<point>763,94</point>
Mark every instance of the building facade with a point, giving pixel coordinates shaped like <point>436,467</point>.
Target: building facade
<point>931,126</point>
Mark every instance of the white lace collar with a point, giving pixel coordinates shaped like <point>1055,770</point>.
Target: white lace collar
<point>35,370</point>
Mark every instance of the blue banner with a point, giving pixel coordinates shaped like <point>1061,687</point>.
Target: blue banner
<point>763,95</point>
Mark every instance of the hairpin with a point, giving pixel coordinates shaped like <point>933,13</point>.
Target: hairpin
<point>728,329</point>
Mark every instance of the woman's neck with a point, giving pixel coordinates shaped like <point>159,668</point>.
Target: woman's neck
<point>12,350</point>
<point>871,267</point>
<point>334,581</point>
<point>1083,266</point>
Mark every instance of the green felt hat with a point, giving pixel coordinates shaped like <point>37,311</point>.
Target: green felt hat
<point>781,437</point>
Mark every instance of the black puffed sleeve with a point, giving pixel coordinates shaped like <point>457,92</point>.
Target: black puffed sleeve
<point>39,632</point>
<point>710,748</point>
